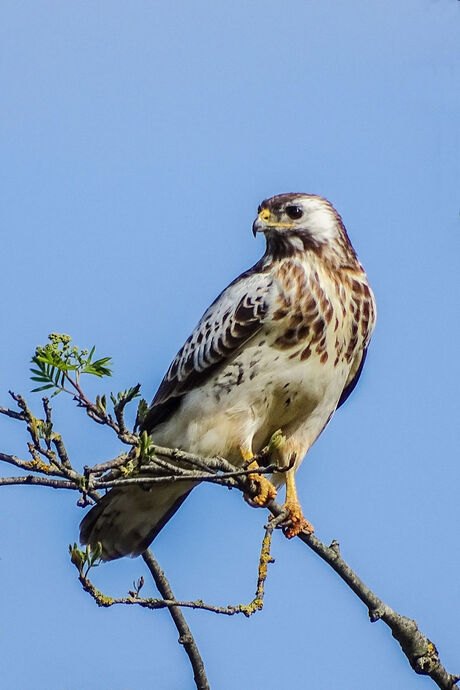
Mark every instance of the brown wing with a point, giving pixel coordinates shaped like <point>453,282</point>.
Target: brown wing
<point>352,379</point>
<point>231,320</point>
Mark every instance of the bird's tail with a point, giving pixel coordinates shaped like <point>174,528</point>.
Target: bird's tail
<point>126,520</point>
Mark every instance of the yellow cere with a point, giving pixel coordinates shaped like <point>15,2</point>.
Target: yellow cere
<point>264,214</point>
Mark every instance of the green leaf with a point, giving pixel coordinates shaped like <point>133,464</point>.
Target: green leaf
<point>142,410</point>
<point>95,553</point>
<point>54,363</point>
<point>43,388</point>
<point>77,557</point>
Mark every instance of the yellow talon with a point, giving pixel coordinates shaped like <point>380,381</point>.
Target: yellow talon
<point>246,454</point>
<point>295,521</point>
<point>266,492</point>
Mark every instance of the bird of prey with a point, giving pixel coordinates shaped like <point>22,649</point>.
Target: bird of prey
<point>282,347</point>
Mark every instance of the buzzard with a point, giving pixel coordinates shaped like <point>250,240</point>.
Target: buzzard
<point>282,347</point>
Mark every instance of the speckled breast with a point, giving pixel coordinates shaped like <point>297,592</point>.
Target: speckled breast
<point>321,312</point>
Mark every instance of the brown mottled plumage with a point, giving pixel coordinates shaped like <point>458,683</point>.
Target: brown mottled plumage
<point>280,348</point>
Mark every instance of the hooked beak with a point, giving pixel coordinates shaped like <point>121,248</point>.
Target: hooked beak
<point>260,223</point>
<point>257,226</point>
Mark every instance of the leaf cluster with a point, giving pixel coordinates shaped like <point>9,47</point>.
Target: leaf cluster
<point>91,557</point>
<point>59,363</point>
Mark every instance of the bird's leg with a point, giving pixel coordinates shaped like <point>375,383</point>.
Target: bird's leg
<point>295,521</point>
<point>266,492</point>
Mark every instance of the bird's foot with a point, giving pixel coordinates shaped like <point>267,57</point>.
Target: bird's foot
<point>265,492</point>
<point>294,522</point>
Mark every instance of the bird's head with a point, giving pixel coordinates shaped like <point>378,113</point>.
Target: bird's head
<point>295,223</point>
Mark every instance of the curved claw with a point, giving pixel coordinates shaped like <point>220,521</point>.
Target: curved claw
<point>266,492</point>
<point>295,522</point>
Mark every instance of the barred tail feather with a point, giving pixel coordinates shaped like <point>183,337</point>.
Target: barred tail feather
<point>126,520</point>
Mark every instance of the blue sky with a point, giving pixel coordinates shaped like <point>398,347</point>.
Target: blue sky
<point>138,140</point>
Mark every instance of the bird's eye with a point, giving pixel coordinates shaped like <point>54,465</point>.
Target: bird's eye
<point>294,212</point>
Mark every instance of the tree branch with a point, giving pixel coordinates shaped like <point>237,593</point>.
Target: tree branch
<point>11,413</point>
<point>419,650</point>
<point>38,481</point>
<point>80,559</point>
<point>185,636</point>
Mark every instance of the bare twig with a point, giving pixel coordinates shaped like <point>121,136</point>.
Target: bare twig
<point>34,465</point>
<point>264,559</point>
<point>185,636</point>
<point>106,601</point>
<point>419,650</point>
<point>174,605</point>
<point>38,481</point>
<point>120,407</point>
<point>153,603</point>
<point>102,467</point>
<point>12,413</point>
<point>61,451</point>
<point>47,409</point>
<point>192,458</point>
<point>77,481</point>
